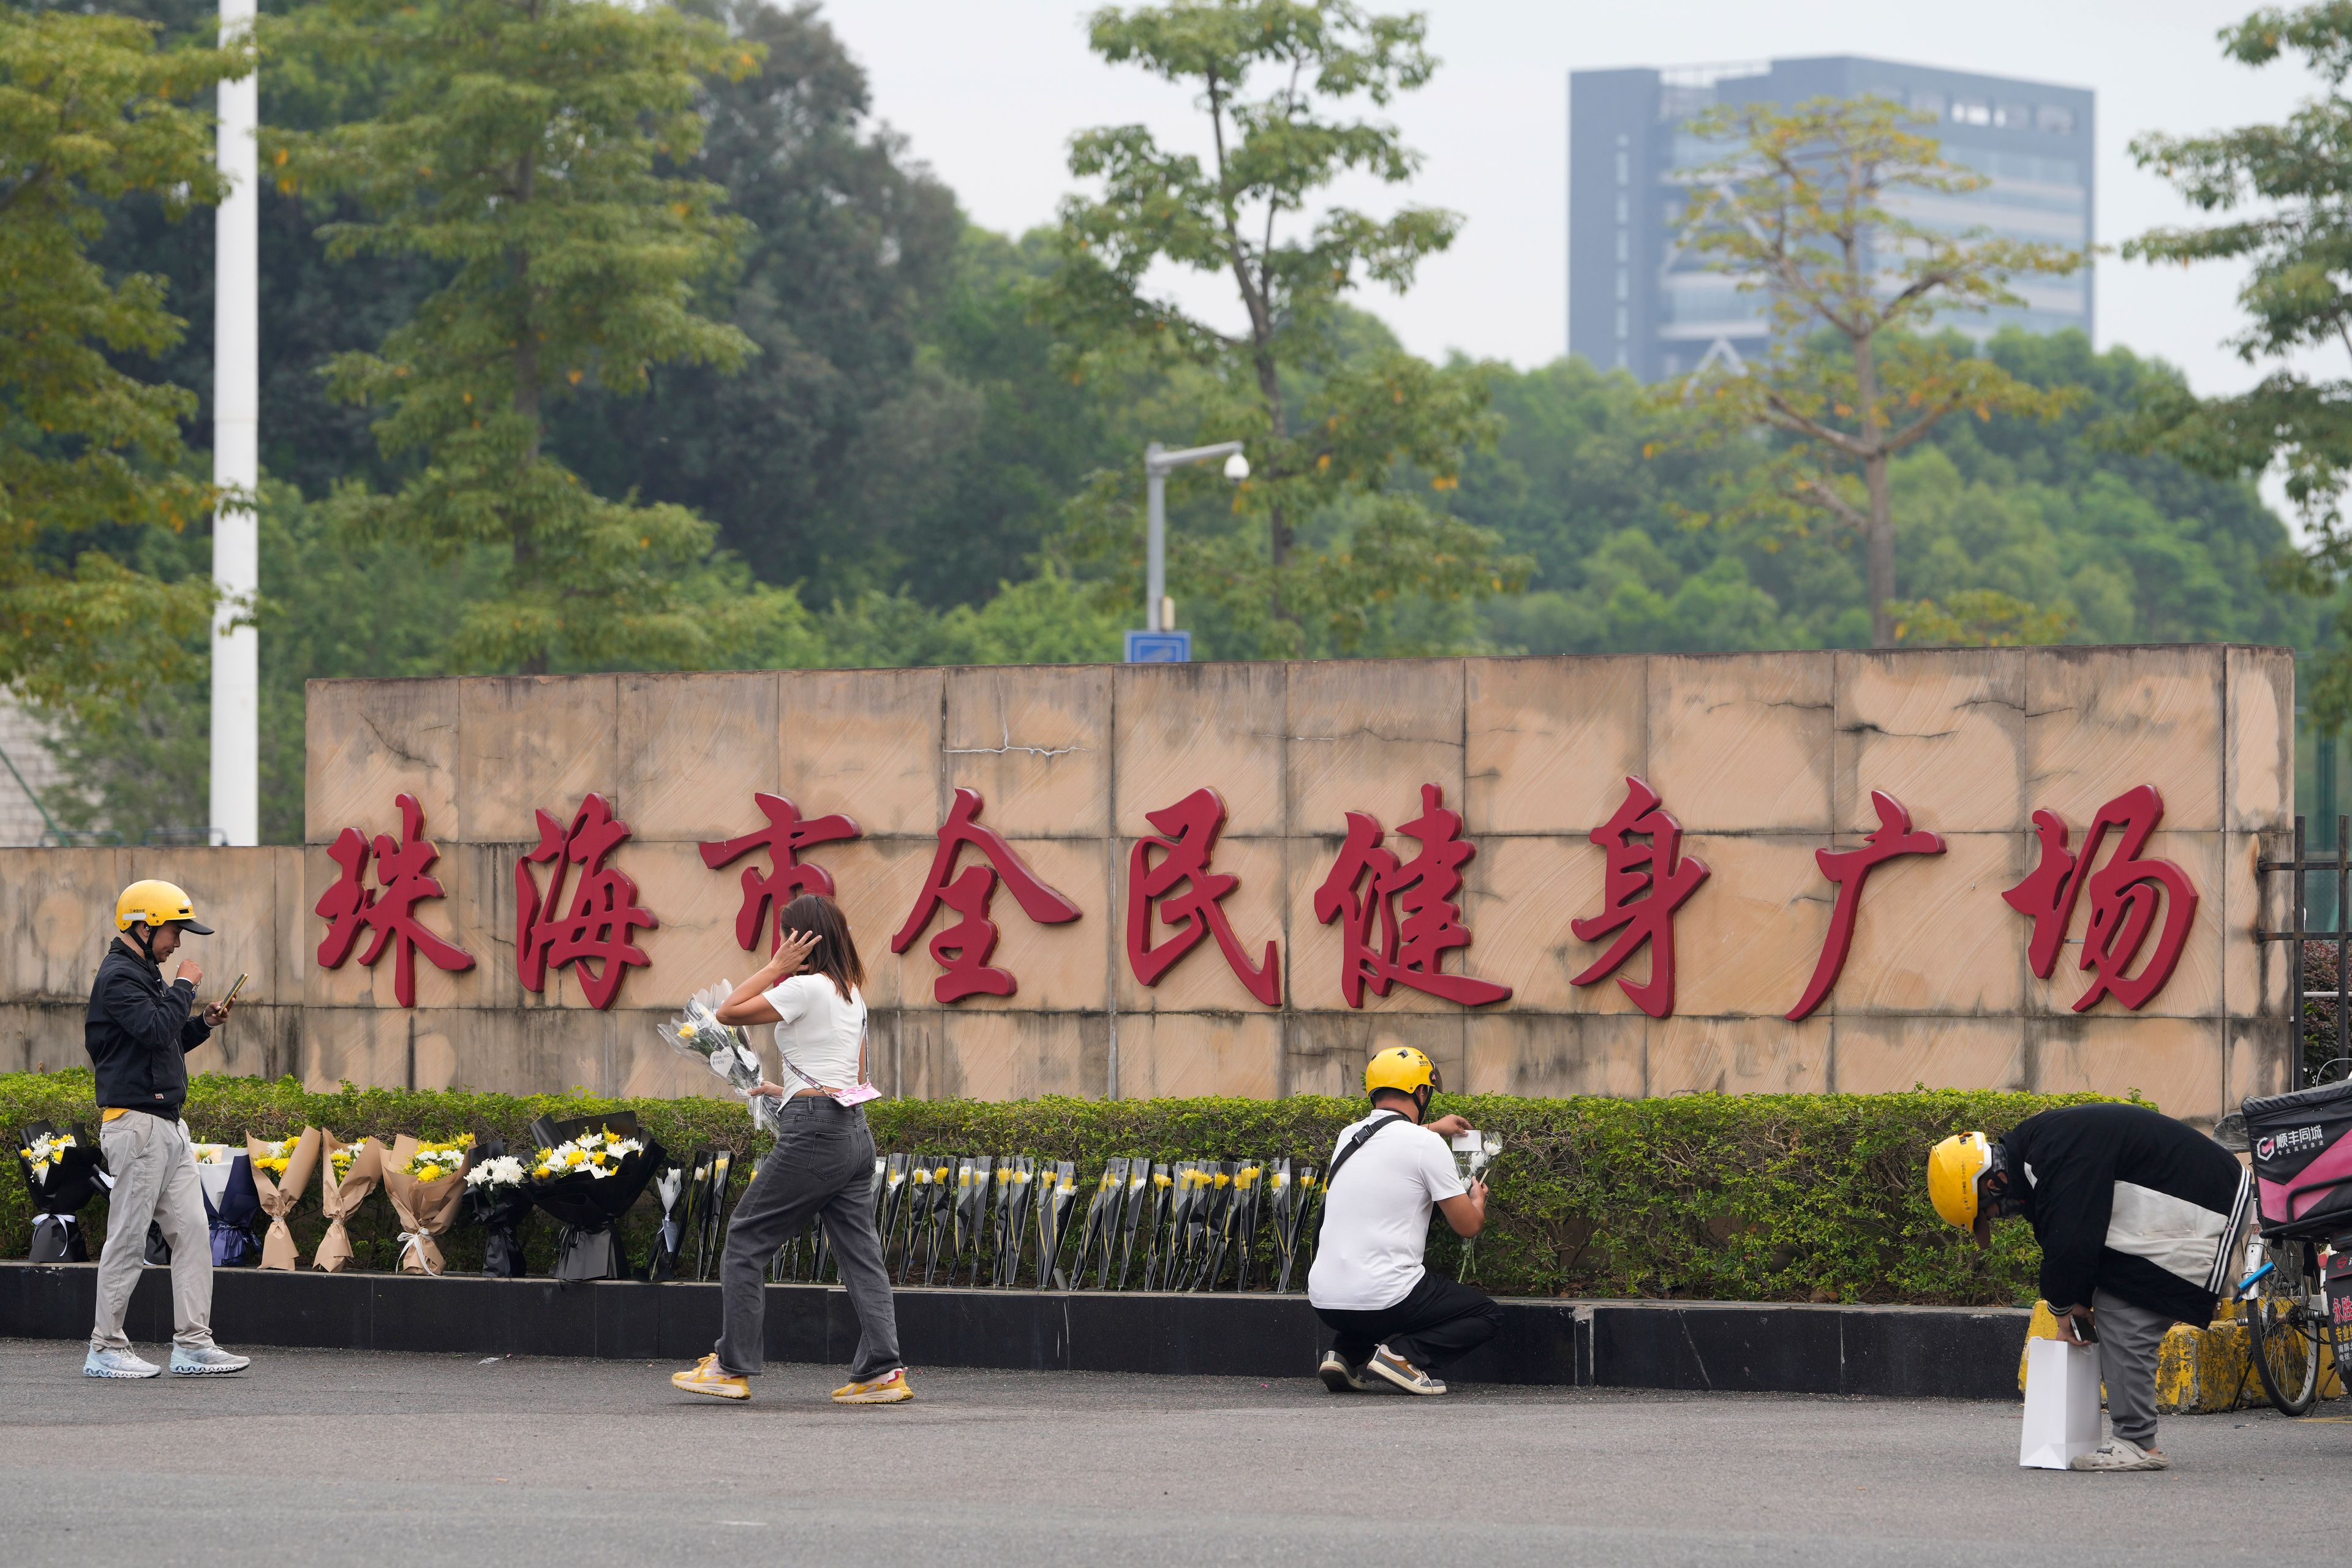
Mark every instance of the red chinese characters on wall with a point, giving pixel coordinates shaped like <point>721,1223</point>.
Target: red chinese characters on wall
<point>784,837</point>
<point>1179,890</point>
<point>1397,918</point>
<point>1850,868</point>
<point>2128,896</point>
<point>962,950</point>
<point>1644,881</point>
<point>404,880</point>
<point>593,932</point>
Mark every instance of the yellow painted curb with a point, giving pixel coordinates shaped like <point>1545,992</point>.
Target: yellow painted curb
<point>2198,1372</point>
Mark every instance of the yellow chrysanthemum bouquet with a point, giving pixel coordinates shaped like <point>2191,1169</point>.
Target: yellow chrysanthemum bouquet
<point>586,1174</point>
<point>347,1175</point>
<point>424,1181</point>
<point>281,1169</point>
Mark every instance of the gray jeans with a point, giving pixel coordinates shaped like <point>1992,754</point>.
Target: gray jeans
<point>155,1175</point>
<point>2128,1339</point>
<point>823,1166</point>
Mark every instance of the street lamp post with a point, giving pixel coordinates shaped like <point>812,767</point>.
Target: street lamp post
<point>1158,464</point>
<point>236,801</point>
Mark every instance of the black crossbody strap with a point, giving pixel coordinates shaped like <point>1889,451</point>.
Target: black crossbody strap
<point>1363,1134</point>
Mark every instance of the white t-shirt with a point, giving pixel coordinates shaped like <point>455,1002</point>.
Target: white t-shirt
<point>1376,1216</point>
<point>818,1030</point>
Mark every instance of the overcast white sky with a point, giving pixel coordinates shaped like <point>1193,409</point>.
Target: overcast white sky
<point>989,92</point>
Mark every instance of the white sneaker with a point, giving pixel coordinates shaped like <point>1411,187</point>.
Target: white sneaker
<point>1394,1370</point>
<point>2120,1454</point>
<point>205,1361</point>
<point>117,1364</point>
<point>1338,1375</point>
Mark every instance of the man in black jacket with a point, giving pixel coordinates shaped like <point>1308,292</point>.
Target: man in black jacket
<point>138,1033</point>
<point>2137,1216</point>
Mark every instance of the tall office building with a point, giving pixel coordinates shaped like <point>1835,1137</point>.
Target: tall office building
<point>1638,299</point>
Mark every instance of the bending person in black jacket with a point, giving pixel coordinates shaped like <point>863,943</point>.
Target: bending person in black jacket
<point>2137,1216</point>
<point>139,1033</point>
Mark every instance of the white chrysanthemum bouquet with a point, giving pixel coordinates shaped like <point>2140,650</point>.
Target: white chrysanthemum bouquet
<point>598,1155</point>
<point>723,1049</point>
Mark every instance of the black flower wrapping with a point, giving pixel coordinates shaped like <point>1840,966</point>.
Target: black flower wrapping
<point>60,1194</point>
<point>500,1212</point>
<point>588,1206</point>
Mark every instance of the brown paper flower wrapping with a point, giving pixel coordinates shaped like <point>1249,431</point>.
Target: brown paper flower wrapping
<point>280,1193</point>
<point>341,1200</point>
<point>426,1209</point>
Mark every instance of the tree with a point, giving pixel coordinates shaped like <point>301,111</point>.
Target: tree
<point>1801,210</point>
<point>813,456</point>
<point>92,112</point>
<point>1273,76</point>
<point>2285,185</point>
<point>518,146</point>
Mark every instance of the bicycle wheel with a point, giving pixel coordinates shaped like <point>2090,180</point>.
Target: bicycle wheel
<point>2284,1331</point>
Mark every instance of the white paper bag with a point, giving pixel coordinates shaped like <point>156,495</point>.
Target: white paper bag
<point>2062,1404</point>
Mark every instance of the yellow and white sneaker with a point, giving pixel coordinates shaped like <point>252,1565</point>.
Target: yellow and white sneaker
<point>891,1388</point>
<point>704,1377</point>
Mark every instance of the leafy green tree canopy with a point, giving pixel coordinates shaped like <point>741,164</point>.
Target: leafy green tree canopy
<point>92,112</point>
<point>520,145</point>
<point>1276,82</point>
<point>2283,188</point>
<point>1807,209</point>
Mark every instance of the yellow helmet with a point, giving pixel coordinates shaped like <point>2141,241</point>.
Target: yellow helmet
<point>1403,1069</point>
<point>1953,1167</point>
<point>154,904</point>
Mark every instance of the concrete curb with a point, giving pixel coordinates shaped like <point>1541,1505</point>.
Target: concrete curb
<point>1899,1351</point>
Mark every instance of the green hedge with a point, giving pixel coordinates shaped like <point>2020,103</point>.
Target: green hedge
<point>1727,1197</point>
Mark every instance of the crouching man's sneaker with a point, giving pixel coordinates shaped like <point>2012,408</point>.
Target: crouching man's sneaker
<point>117,1364</point>
<point>2120,1454</point>
<point>1398,1372</point>
<point>704,1377</point>
<point>891,1388</point>
<point>1338,1375</point>
<point>205,1361</point>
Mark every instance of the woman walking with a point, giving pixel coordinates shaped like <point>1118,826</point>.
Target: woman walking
<point>822,1163</point>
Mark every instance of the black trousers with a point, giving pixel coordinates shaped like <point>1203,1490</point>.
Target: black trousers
<point>1438,1321</point>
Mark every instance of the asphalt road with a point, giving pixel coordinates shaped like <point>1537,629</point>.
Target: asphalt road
<point>327,1458</point>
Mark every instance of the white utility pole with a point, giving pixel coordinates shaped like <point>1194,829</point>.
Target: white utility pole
<point>1158,464</point>
<point>237,450</point>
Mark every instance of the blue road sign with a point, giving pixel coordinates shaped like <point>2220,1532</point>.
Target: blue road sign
<point>1160,647</point>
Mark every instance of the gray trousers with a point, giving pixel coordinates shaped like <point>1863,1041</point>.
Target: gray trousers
<point>2128,1338</point>
<point>823,1166</point>
<point>154,1174</point>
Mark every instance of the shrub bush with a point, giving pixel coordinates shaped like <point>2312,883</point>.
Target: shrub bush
<point>1726,1197</point>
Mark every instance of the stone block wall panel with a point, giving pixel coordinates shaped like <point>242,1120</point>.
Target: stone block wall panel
<point>1764,759</point>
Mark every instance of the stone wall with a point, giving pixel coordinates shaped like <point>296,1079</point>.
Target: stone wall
<point>1764,759</point>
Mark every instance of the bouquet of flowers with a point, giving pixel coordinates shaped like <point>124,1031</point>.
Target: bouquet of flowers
<point>1057,1195</point>
<point>725,1049</point>
<point>347,1175</point>
<point>63,1171</point>
<point>424,1182</point>
<point>1155,1199</point>
<point>498,1198</point>
<point>588,1171</point>
<point>669,1237</point>
<point>1248,1188</point>
<point>1292,1195</point>
<point>1100,1206</point>
<point>281,1168</point>
<point>1139,1196</point>
<point>1474,1152</point>
<point>232,1203</point>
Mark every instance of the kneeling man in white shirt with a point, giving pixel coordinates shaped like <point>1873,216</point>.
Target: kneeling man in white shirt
<point>1393,1320</point>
